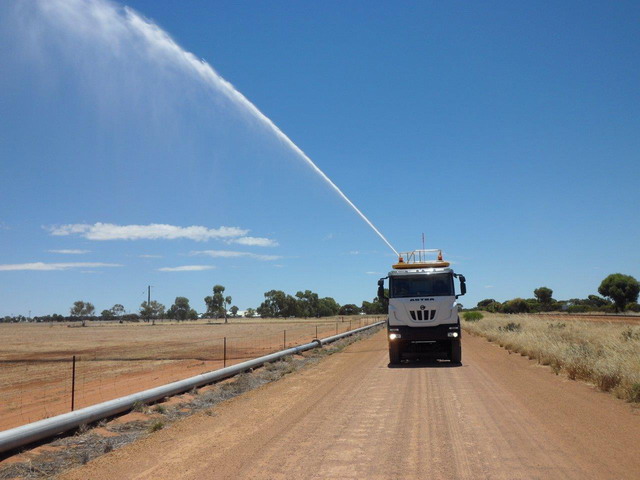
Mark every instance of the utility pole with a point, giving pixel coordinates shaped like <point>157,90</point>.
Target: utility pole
<point>149,303</point>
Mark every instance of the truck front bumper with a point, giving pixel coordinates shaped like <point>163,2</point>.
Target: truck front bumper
<point>406,334</point>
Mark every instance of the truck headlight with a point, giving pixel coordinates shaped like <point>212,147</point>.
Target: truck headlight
<point>393,336</point>
<point>452,334</point>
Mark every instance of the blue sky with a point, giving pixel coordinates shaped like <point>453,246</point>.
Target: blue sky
<point>507,132</point>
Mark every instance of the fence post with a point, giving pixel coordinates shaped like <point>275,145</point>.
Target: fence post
<point>336,328</point>
<point>73,383</point>
<point>284,341</point>
<point>349,324</point>
<point>316,331</point>
<point>224,354</point>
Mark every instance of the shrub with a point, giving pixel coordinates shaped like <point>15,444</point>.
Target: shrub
<point>633,307</point>
<point>472,316</point>
<point>633,394</point>
<point>578,309</point>
<point>557,325</point>
<point>155,426</point>
<point>607,381</point>
<point>511,327</point>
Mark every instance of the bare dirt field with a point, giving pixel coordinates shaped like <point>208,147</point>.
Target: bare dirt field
<point>498,416</point>
<point>115,359</point>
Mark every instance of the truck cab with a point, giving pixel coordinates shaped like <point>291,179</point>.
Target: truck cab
<point>423,321</point>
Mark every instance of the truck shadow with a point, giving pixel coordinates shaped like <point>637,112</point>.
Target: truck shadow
<point>425,364</point>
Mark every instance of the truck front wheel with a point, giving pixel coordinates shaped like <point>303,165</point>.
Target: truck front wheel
<point>394,354</point>
<point>455,353</point>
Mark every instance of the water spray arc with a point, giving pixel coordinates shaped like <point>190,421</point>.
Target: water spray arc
<point>116,25</point>
<point>216,80</point>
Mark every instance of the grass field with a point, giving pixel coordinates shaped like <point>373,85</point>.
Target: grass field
<point>606,353</point>
<point>115,359</point>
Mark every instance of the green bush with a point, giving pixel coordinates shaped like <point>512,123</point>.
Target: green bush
<point>633,307</point>
<point>517,305</point>
<point>578,309</point>
<point>155,426</point>
<point>472,316</point>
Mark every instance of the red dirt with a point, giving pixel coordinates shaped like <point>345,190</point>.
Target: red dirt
<point>116,360</point>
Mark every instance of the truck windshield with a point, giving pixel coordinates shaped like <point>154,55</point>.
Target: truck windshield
<point>422,286</point>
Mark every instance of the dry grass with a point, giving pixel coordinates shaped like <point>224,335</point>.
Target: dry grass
<point>606,354</point>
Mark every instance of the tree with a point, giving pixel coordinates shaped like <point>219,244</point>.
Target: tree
<point>489,305</point>
<point>227,301</point>
<point>482,304</point>
<point>277,304</point>
<point>376,307</point>
<point>544,296</point>
<point>180,310</point>
<point>534,306</point>
<point>327,307</point>
<point>349,309</point>
<point>598,301</point>
<point>217,303</point>
<point>307,304</point>
<point>234,311</point>
<point>117,310</point>
<point>517,305</point>
<point>249,313</point>
<point>107,315</point>
<point>152,310</point>
<point>495,307</point>
<point>81,310</point>
<point>621,289</point>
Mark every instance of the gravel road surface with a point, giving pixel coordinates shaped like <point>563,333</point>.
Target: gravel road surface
<point>498,416</point>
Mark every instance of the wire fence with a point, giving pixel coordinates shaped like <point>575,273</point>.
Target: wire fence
<point>37,386</point>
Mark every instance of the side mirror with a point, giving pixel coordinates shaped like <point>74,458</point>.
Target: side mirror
<point>463,285</point>
<point>381,288</point>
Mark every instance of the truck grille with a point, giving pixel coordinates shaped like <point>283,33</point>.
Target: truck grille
<point>422,314</point>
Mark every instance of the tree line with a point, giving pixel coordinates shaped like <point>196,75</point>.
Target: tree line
<point>618,293</point>
<point>276,304</point>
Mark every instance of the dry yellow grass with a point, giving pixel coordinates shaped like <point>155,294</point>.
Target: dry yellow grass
<point>606,354</point>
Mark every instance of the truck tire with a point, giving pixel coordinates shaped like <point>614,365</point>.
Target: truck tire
<point>455,352</point>
<point>394,355</point>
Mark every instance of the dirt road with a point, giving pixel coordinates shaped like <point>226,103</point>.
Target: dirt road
<point>498,416</point>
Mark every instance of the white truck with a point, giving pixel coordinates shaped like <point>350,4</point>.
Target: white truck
<point>423,320</point>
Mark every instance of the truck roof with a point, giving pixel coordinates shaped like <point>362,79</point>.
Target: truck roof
<point>419,271</point>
